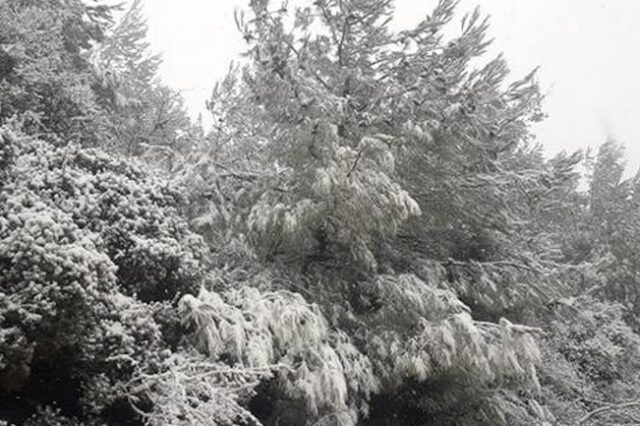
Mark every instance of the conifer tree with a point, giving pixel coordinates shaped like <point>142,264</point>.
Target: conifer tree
<point>335,139</point>
<point>142,110</point>
<point>47,76</point>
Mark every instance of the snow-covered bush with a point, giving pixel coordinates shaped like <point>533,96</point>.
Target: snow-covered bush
<point>598,343</point>
<point>87,243</point>
<point>590,362</point>
<point>134,216</point>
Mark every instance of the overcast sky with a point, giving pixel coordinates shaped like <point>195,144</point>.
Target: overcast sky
<point>588,51</point>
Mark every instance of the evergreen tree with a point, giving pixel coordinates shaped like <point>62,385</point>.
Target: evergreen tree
<point>142,111</point>
<point>336,139</point>
<point>46,76</point>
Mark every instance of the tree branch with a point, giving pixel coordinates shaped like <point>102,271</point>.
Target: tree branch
<point>355,162</point>
<point>610,407</point>
<point>345,30</point>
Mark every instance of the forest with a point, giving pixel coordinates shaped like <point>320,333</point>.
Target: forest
<point>368,235</point>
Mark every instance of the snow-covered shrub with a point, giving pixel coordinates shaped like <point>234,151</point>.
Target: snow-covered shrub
<point>87,243</point>
<point>54,281</point>
<point>134,215</point>
<point>590,361</point>
<point>597,340</point>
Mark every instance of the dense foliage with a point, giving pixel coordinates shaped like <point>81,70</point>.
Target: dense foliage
<point>92,251</point>
<point>45,76</point>
<point>367,236</point>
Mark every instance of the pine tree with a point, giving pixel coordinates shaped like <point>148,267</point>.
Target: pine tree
<point>47,76</point>
<point>142,110</point>
<point>340,135</point>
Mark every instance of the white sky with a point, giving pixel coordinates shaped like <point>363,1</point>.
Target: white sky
<point>588,51</point>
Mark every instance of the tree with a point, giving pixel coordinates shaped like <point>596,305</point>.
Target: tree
<point>46,78</point>
<point>69,72</point>
<point>612,224</point>
<point>142,110</point>
<point>331,144</point>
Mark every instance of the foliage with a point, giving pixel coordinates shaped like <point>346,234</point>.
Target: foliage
<point>592,359</point>
<point>598,342</point>
<point>86,241</point>
<point>341,135</point>
<point>192,391</point>
<point>257,330</point>
<point>71,74</point>
<point>46,80</point>
<point>379,241</point>
<point>142,111</point>
<point>446,135</point>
